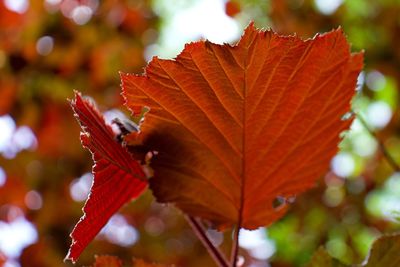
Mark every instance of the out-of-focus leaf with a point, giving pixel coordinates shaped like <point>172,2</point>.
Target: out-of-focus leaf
<point>239,130</point>
<point>9,19</point>
<point>8,91</point>
<point>384,253</point>
<point>232,8</point>
<point>111,261</point>
<point>142,263</point>
<point>321,258</point>
<point>107,261</point>
<point>118,178</point>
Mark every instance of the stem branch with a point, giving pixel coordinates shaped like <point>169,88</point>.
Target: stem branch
<point>382,147</point>
<point>215,253</point>
<point>235,247</point>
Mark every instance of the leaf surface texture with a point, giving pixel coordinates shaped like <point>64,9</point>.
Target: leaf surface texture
<point>118,178</point>
<point>238,127</point>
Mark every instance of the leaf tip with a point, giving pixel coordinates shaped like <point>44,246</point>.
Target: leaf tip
<point>78,99</point>
<point>251,24</point>
<point>76,95</point>
<point>122,74</point>
<point>70,258</point>
<point>250,28</point>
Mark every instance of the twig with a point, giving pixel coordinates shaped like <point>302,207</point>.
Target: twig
<point>235,247</point>
<point>215,253</point>
<point>382,147</point>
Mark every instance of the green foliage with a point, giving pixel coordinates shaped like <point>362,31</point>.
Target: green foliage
<point>384,253</point>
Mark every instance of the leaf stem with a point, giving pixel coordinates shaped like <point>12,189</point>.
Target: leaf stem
<point>235,247</point>
<point>382,147</point>
<point>199,230</point>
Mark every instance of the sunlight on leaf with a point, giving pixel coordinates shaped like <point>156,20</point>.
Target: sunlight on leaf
<point>118,178</point>
<point>237,127</point>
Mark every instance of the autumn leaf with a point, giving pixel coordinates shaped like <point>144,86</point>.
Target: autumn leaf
<point>232,8</point>
<point>321,258</point>
<point>241,130</point>
<point>384,253</point>
<point>8,94</point>
<point>111,261</point>
<point>118,178</point>
<point>142,263</point>
<point>107,261</point>
<point>9,19</point>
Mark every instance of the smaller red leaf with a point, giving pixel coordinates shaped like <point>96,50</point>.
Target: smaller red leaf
<point>118,178</point>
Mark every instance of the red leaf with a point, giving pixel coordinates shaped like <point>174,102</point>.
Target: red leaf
<point>142,263</point>
<point>238,127</point>
<point>107,261</point>
<point>232,8</point>
<point>118,178</point>
<point>111,261</point>
<point>8,93</point>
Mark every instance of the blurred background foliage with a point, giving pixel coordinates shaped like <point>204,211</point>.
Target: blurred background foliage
<point>48,48</point>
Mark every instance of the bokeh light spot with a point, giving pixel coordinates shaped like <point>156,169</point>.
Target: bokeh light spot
<point>24,138</point>
<point>81,14</point>
<point>187,23</point>
<point>53,2</point>
<point>151,51</point>
<point>356,186</point>
<point>364,145</point>
<point>119,232</point>
<point>343,164</point>
<point>33,200</point>
<point>7,126</point>
<point>360,81</point>
<point>216,237</point>
<point>3,177</point>
<point>240,261</point>
<point>80,188</point>
<point>44,45</point>
<point>18,6</point>
<point>336,248</point>
<point>392,184</point>
<point>257,243</point>
<point>16,235</point>
<point>379,114</point>
<point>11,263</point>
<point>375,80</point>
<point>154,226</point>
<point>333,196</point>
<point>385,202</point>
<point>328,7</point>
<point>14,140</point>
<point>67,6</point>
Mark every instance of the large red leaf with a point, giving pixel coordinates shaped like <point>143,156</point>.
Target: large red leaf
<point>118,178</point>
<point>239,127</point>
